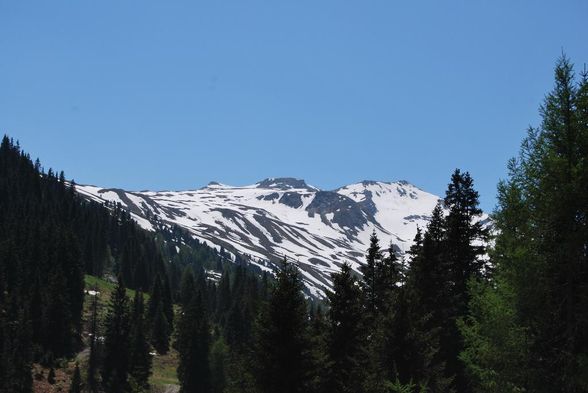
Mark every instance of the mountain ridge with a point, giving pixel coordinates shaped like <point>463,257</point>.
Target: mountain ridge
<point>285,216</point>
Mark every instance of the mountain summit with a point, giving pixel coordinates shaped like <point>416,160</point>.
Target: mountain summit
<point>279,217</point>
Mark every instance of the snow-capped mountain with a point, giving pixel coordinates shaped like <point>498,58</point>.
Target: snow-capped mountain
<point>280,217</point>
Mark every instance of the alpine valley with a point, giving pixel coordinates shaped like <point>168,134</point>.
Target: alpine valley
<point>286,217</point>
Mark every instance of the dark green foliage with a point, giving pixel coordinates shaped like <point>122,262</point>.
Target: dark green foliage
<point>187,287</point>
<point>527,330</point>
<point>115,367</point>
<point>160,331</point>
<point>219,358</point>
<point>51,236</point>
<point>282,341</point>
<point>193,345</point>
<point>139,357</point>
<point>346,339</point>
<point>160,327</point>
<point>318,355</point>
<point>412,338</point>
<point>15,350</point>
<point>370,282</point>
<point>424,310</point>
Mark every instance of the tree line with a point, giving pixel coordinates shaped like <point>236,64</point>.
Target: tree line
<point>50,237</point>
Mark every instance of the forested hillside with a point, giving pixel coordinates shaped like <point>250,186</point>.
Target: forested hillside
<point>52,237</point>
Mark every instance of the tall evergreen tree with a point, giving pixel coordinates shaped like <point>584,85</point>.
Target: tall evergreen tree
<point>194,347</point>
<point>463,250</point>
<point>282,341</point>
<point>160,328</point>
<point>139,356</point>
<point>187,287</point>
<point>534,311</point>
<point>424,311</point>
<point>346,335</point>
<point>116,341</point>
<point>370,275</point>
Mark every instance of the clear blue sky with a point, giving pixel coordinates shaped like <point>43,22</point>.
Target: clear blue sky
<point>173,94</point>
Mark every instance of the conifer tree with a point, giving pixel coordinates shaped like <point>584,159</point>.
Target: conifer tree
<point>462,248</point>
<point>370,276</point>
<point>116,341</point>
<point>160,329</point>
<point>424,310</point>
<point>346,335</point>
<point>194,347</point>
<point>533,312</point>
<point>168,304</point>
<point>187,287</point>
<point>282,342</point>
<point>219,357</point>
<point>139,356</point>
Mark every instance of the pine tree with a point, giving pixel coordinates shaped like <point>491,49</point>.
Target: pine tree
<point>463,248</point>
<point>534,311</point>
<point>116,341</point>
<point>425,313</point>
<point>346,336</point>
<point>370,286</point>
<point>168,305</point>
<point>187,287</point>
<point>318,354</point>
<point>282,342</point>
<point>160,331</point>
<point>194,347</point>
<point>139,356</point>
<point>219,357</point>
<point>160,328</point>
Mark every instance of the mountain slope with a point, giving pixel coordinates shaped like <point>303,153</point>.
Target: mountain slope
<point>287,217</point>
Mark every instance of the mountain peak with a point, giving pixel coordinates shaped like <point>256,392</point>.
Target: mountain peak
<point>282,183</point>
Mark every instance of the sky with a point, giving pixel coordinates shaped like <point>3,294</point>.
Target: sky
<point>174,94</point>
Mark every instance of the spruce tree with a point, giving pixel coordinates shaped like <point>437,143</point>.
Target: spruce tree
<point>424,312</point>
<point>282,342</point>
<point>370,280</point>
<point>116,341</point>
<point>540,283</point>
<point>160,328</point>
<point>346,342</point>
<point>193,345</point>
<point>463,250</point>
<point>139,356</point>
<point>187,287</point>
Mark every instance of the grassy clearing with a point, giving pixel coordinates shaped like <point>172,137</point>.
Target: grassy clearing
<point>164,369</point>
